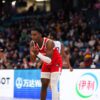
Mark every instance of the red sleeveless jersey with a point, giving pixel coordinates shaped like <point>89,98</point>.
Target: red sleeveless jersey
<point>56,58</point>
<point>43,47</point>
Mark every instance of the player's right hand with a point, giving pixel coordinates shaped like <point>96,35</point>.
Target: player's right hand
<point>35,51</point>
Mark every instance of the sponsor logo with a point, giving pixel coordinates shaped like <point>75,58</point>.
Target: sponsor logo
<point>4,80</point>
<point>22,83</point>
<point>87,85</point>
<point>27,84</point>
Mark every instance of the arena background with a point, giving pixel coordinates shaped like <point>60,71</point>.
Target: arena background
<point>76,24</point>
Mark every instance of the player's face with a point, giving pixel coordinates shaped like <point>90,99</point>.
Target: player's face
<point>35,36</point>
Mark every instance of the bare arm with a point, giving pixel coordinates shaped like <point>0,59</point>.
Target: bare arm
<point>66,56</point>
<point>32,55</point>
<point>49,46</point>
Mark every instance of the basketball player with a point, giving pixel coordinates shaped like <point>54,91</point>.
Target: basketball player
<point>44,49</point>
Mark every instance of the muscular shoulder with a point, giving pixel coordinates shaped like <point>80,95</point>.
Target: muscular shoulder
<point>50,44</point>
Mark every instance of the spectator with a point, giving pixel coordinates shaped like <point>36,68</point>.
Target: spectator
<point>87,59</point>
<point>2,57</point>
<point>96,55</point>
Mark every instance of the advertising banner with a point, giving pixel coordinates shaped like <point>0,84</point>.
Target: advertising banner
<point>6,83</point>
<point>81,84</point>
<point>27,84</point>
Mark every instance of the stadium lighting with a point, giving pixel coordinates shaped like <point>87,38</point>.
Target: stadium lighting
<point>3,1</point>
<point>13,3</point>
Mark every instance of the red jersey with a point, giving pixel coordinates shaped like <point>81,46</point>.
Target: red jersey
<point>43,47</point>
<point>56,58</point>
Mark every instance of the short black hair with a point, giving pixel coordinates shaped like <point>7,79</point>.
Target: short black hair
<point>38,28</point>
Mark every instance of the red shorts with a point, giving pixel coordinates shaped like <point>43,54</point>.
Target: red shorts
<point>51,68</point>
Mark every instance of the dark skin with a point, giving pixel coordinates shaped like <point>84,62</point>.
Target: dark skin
<point>36,37</point>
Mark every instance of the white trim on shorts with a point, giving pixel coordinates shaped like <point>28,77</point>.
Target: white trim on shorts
<point>45,75</point>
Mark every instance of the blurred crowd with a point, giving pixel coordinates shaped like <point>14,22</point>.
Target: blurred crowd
<point>79,31</point>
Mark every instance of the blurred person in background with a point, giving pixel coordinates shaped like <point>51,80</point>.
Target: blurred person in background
<point>96,55</point>
<point>92,41</point>
<point>60,47</point>
<point>75,57</point>
<point>88,61</point>
<point>2,57</point>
